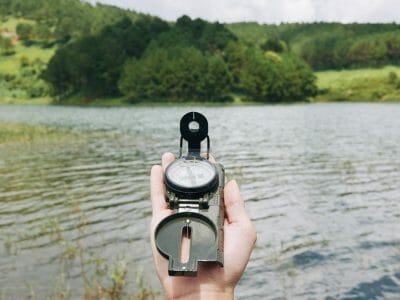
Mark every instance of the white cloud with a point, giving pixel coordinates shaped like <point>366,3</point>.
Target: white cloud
<point>268,11</point>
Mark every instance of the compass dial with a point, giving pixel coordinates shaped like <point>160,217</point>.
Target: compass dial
<point>191,175</point>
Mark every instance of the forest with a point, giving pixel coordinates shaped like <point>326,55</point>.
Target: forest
<point>329,45</point>
<point>101,51</point>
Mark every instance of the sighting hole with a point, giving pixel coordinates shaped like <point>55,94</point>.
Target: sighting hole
<point>185,244</point>
<point>194,126</point>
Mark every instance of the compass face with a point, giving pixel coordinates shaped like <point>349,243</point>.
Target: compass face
<point>190,174</point>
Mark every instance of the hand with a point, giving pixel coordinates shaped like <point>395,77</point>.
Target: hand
<point>212,281</point>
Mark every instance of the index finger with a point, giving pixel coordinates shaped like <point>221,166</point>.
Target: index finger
<point>157,186</point>
<point>157,189</point>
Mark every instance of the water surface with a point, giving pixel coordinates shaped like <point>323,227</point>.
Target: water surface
<point>321,184</point>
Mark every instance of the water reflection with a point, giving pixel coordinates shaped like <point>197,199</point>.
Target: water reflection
<point>320,181</point>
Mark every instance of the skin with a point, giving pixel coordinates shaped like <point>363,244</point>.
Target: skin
<point>212,281</point>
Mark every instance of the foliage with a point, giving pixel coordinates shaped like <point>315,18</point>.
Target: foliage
<point>359,85</point>
<point>62,20</point>
<point>178,74</point>
<point>328,45</point>
<point>26,83</point>
<point>104,51</point>
<point>205,36</point>
<point>274,44</point>
<point>269,76</point>
<point>6,46</point>
<point>92,64</point>
<point>24,31</point>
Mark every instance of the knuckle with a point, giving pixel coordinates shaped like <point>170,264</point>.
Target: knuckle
<point>251,232</point>
<point>155,168</point>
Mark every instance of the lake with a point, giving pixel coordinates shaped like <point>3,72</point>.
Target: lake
<point>321,184</point>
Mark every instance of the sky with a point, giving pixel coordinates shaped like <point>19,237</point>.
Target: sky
<point>268,11</point>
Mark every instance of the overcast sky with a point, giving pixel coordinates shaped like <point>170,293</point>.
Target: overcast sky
<point>268,11</point>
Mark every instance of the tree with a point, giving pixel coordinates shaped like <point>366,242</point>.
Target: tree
<point>42,32</point>
<point>24,31</point>
<point>368,51</point>
<point>205,36</point>
<point>273,43</point>
<point>5,7</point>
<point>236,58</point>
<point>392,41</point>
<point>93,64</point>
<point>6,46</point>
<point>267,78</point>
<point>178,74</point>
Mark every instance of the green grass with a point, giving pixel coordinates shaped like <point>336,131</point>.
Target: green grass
<point>10,64</point>
<point>370,84</point>
<point>15,86</point>
<point>10,24</point>
<point>80,100</point>
<point>35,101</point>
<point>21,133</point>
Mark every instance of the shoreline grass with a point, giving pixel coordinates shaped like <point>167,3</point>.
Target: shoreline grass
<point>24,133</point>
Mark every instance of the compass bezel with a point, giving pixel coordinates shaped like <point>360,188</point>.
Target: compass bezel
<point>192,192</point>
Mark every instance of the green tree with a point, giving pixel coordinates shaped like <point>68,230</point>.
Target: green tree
<point>93,64</point>
<point>273,43</point>
<point>178,74</point>
<point>368,51</point>
<point>5,7</point>
<point>236,57</point>
<point>392,41</point>
<point>267,78</point>
<point>205,36</point>
<point>42,32</point>
<point>24,31</point>
<point>6,46</point>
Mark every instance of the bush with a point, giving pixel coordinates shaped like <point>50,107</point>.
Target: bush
<point>271,77</point>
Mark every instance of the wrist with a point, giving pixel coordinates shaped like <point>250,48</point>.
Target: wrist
<point>205,294</point>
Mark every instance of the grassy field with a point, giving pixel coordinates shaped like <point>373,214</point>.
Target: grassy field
<point>10,64</point>
<point>20,70</point>
<point>378,84</point>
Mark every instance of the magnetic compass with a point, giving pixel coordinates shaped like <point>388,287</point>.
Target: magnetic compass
<point>195,194</point>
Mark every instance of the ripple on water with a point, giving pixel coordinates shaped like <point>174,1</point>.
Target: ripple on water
<point>321,184</point>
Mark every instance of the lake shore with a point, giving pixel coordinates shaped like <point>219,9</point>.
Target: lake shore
<point>358,85</point>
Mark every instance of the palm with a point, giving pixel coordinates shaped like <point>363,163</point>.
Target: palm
<point>239,237</point>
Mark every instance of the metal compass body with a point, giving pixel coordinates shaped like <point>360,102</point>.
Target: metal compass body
<point>195,195</point>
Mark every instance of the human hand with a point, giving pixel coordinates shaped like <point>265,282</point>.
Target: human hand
<point>212,281</point>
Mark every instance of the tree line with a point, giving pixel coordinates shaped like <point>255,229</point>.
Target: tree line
<point>190,60</point>
<point>105,51</point>
<point>330,45</point>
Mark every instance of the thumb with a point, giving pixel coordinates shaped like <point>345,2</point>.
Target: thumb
<point>234,203</point>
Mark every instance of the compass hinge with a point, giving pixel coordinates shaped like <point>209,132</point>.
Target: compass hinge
<point>190,204</point>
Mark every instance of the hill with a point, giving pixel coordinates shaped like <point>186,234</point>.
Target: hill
<point>70,49</point>
<point>31,31</point>
<point>330,45</point>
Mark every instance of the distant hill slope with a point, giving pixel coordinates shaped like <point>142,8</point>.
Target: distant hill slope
<point>63,19</point>
<point>330,45</point>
